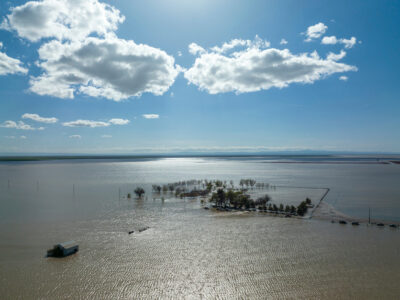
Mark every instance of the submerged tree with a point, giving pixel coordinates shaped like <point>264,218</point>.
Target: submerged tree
<point>139,191</point>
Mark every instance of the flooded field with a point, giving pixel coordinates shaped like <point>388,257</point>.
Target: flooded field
<point>189,252</point>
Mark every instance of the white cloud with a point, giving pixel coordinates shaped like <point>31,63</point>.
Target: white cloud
<point>112,68</point>
<point>19,125</point>
<point>255,69</point>
<point>37,118</point>
<point>179,53</point>
<point>118,121</point>
<point>64,20</point>
<point>194,49</point>
<point>84,55</point>
<point>332,40</point>
<point>9,65</point>
<point>86,123</point>
<point>75,136</point>
<point>349,43</point>
<point>343,78</point>
<point>335,57</point>
<point>1,45</point>
<point>315,31</point>
<point>283,42</point>
<point>22,137</point>
<point>94,124</point>
<point>329,40</point>
<point>235,43</point>
<point>106,136</point>
<point>151,116</point>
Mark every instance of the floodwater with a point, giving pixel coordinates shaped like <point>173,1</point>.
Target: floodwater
<point>189,252</point>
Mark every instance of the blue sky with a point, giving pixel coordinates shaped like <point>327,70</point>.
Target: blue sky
<point>153,76</point>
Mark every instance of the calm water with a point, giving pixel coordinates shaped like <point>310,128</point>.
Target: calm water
<point>189,252</point>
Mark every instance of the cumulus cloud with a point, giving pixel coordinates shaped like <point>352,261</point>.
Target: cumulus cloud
<point>343,78</point>
<point>75,136</point>
<point>62,19</point>
<point>84,55</point>
<point>255,69</point>
<point>283,42</point>
<point>94,124</point>
<point>106,136</point>
<point>151,116</point>
<point>37,118</point>
<point>329,40</point>
<point>112,68</point>
<point>9,65</point>
<point>315,31</point>
<point>22,137</point>
<point>332,40</point>
<point>19,125</point>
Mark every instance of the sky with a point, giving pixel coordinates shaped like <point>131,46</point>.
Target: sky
<point>126,77</point>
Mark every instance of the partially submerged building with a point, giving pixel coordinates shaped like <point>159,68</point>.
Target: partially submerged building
<point>63,249</point>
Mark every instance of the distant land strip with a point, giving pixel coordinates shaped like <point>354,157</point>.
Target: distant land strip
<point>271,158</point>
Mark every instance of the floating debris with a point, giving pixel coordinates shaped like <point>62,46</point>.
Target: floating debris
<point>143,229</point>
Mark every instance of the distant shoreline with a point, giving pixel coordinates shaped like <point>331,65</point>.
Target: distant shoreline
<point>281,158</point>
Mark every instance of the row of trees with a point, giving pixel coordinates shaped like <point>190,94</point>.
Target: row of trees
<point>237,199</point>
<point>208,184</point>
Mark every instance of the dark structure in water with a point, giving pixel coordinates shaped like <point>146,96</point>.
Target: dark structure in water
<point>63,249</point>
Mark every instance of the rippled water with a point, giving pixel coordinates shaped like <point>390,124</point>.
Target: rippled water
<point>189,252</point>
